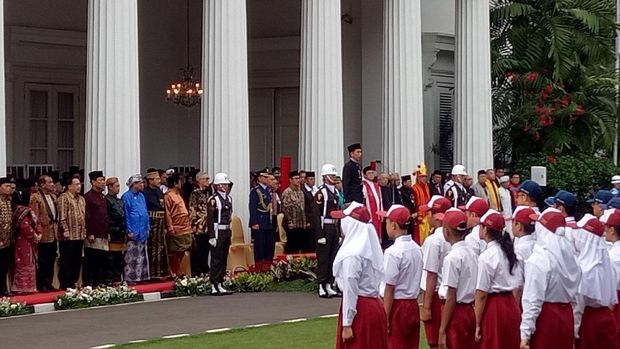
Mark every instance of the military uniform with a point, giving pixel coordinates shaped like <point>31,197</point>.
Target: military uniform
<point>458,195</point>
<point>219,217</point>
<point>260,214</point>
<point>309,242</point>
<point>327,231</point>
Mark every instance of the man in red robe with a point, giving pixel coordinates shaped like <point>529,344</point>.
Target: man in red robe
<point>372,197</point>
<point>421,195</point>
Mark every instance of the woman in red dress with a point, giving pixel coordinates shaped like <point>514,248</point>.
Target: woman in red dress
<point>27,234</point>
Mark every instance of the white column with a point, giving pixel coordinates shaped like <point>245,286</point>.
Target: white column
<point>112,89</point>
<point>225,130</point>
<point>403,109</point>
<point>473,124</point>
<point>320,107</point>
<point>2,97</point>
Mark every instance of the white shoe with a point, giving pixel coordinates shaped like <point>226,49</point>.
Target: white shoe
<point>331,292</point>
<point>223,290</point>
<point>215,291</point>
<point>322,292</point>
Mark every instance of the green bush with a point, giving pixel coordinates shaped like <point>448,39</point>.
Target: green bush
<point>251,282</point>
<point>579,173</point>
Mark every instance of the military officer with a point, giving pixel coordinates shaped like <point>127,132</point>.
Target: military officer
<point>263,231</point>
<point>327,231</point>
<point>219,216</point>
<point>456,193</point>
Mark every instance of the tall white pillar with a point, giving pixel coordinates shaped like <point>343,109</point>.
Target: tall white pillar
<point>473,123</point>
<point>2,97</point>
<point>320,107</point>
<point>225,128</point>
<point>403,96</point>
<point>112,89</point>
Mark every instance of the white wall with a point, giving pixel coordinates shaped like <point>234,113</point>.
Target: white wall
<point>438,16</point>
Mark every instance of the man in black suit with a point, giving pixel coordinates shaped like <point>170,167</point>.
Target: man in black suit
<point>436,184</point>
<point>352,175</point>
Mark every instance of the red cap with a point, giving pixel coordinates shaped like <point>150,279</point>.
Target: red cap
<point>455,219</point>
<point>494,220</point>
<point>552,220</point>
<point>524,215</point>
<point>437,204</point>
<point>359,213</point>
<point>611,217</point>
<point>397,213</point>
<point>591,224</point>
<point>476,205</point>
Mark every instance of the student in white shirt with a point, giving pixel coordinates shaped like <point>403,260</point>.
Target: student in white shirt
<point>434,250</point>
<point>474,209</point>
<point>552,279</point>
<point>595,324</point>
<point>458,285</point>
<point>529,194</point>
<point>523,221</point>
<point>358,269</point>
<point>611,219</point>
<point>497,312</point>
<point>402,269</point>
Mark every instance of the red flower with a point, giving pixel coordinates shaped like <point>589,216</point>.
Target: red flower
<point>537,136</point>
<point>580,110</point>
<point>545,120</point>
<point>565,101</point>
<point>543,95</point>
<point>533,76</point>
<point>552,160</point>
<point>526,129</point>
<point>548,89</point>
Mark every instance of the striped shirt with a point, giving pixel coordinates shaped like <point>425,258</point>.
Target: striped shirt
<point>71,214</point>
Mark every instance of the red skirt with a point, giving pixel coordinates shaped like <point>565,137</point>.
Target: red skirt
<point>500,322</point>
<point>598,329</point>
<point>461,332</point>
<point>404,324</point>
<point>432,327</point>
<point>555,327</point>
<point>617,315</point>
<point>369,326</point>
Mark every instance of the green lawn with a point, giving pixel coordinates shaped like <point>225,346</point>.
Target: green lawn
<point>316,334</point>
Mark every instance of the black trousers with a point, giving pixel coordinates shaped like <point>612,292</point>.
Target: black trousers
<point>6,262</point>
<point>116,265</point>
<point>219,257</point>
<point>200,255</point>
<point>309,241</point>
<point>70,262</point>
<point>326,253</point>
<point>264,245</point>
<point>295,240</point>
<point>96,267</point>
<point>48,251</point>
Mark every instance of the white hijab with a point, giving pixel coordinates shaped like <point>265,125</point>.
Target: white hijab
<point>561,250</point>
<point>360,241</point>
<point>598,279</point>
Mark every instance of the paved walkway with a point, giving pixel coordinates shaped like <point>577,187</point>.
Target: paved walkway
<point>87,328</point>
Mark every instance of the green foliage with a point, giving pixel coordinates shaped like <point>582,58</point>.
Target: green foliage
<point>580,174</point>
<point>251,282</point>
<point>554,86</point>
<point>9,308</point>
<point>91,297</point>
<point>295,268</point>
<point>192,286</point>
<point>298,285</point>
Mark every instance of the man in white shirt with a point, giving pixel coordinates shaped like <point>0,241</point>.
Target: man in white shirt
<point>505,197</point>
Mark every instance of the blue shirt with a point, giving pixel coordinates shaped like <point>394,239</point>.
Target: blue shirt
<point>136,215</point>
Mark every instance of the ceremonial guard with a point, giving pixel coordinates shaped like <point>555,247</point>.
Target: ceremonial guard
<point>219,216</point>
<point>309,243</point>
<point>157,247</point>
<point>456,193</point>
<point>327,231</point>
<point>352,175</point>
<point>263,231</point>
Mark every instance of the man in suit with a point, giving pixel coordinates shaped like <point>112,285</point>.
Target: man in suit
<point>263,231</point>
<point>352,175</point>
<point>436,184</point>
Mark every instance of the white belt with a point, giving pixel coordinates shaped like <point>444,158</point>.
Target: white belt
<point>329,221</point>
<point>223,227</point>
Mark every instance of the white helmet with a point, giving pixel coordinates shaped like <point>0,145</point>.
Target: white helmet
<point>221,178</point>
<point>329,169</point>
<point>459,170</point>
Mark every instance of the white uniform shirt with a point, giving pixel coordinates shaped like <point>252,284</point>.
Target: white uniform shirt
<point>357,284</point>
<point>460,270</point>
<point>494,271</point>
<point>474,241</point>
<point>542,284</point>
<point>402,268</point>
<point>523,249</point>
<point>313,189</point>
<point>614,256</point>
<point>434,249</point>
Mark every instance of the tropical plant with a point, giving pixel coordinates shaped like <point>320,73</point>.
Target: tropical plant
<point>91,297</point>
<point>554,85</point>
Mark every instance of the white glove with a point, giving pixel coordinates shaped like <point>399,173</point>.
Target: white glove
<point>213,242</point>
<point>321,241</point>
<point>340,240</point>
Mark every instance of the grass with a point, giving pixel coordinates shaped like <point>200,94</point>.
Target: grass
<point>293,286</point>
<point>315,333</point>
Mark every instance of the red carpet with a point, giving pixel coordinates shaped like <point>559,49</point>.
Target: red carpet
<point>49,297</point>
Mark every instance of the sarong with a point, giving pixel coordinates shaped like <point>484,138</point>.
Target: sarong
<point>136,262</point>
<point>157,247</point>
